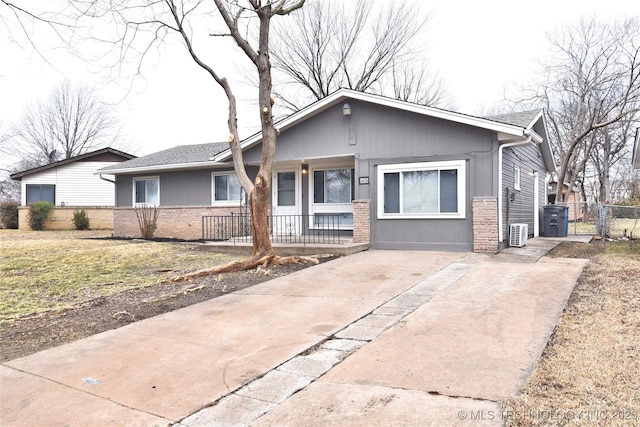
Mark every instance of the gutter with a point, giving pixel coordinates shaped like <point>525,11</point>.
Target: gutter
<point>105,179</point>
<point>529,137</point>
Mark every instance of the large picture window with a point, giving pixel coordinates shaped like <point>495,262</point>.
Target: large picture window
<point>146,191</point>
<point>226,188</point>
<point>41,193</point>
<point>422,190</point>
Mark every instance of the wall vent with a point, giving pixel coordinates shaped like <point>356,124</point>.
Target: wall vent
<point>518,235</point>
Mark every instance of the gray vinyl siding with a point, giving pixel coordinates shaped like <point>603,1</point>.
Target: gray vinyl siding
<point>186,188</point>
<point>124,191</point>
<point>520,210</point>
<point>375,135</point>
<point>180,188</point>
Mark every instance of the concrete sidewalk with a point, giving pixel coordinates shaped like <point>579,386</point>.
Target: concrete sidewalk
<point>379,337</point>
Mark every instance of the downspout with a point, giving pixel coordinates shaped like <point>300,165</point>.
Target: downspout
<point>105,179</point>
<point>527,141</point>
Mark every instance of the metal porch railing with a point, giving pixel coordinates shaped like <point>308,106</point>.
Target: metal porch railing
<point>295,229</point>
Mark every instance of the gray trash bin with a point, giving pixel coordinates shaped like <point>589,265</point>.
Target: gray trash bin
<point>555,218</point>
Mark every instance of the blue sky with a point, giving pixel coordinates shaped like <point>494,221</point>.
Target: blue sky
<point>480,49</point>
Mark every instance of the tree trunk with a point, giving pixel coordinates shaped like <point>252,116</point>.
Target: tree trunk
<point>258,202</point>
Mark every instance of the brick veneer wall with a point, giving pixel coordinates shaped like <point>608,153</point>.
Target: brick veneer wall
<point>485,224</point>
<point>100,218</point>
<point>361,221</point>
<point>173,222</point>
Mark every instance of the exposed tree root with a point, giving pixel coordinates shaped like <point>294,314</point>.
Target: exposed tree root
<point>258,261</point>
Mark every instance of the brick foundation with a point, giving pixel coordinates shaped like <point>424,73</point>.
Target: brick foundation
<point>100,218</point>
<point>485,224</point>
<point>173,222</point>
<point>361,221</point>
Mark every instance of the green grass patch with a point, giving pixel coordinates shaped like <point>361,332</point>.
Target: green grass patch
<point>629,248</point>
<point>48,274</point>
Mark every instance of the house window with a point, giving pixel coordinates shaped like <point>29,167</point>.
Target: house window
<point>422,190</point>
<point>41,193</point>
<point>226,188</point>
<point>332,195</point>
<point>516,177</point>
<point>146,191</point>
<point>333,186</point>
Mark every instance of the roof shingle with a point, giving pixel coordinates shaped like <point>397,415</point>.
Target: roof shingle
<point>180,154</point>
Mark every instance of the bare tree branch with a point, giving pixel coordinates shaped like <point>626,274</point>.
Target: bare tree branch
<point>72,122</point>
<point>591,83</point>
<point>362,46</point>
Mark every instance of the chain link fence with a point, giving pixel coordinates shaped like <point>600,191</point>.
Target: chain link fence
<point>617,222</point>
<point>612,221</point>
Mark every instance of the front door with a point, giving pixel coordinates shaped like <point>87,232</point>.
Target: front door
<point>286,203</point>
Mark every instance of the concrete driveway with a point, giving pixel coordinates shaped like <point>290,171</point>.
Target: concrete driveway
<point>376,338</point>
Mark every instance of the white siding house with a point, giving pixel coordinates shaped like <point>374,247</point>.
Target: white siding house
<point>75,184</point>
<point>72,184</point>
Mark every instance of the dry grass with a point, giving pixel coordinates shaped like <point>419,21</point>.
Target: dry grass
<point>589,373</point>
<point>43,271</point>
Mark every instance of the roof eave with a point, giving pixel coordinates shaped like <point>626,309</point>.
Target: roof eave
<point>157,168</point>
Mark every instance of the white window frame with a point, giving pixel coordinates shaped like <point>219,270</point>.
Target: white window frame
<point>145,178</point>
<point>459,165</point>
<point>517,177</point>
<point>215,202</point>
<point>328,208</point>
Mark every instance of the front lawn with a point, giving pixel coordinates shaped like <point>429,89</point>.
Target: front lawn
<point>44,271</point>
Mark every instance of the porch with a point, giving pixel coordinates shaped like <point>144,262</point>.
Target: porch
<point>290,234</point>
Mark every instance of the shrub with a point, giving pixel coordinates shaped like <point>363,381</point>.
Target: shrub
<point>9,215</point>
<point>147,220</point>
<point>80,220</point>
<point>38,214</point>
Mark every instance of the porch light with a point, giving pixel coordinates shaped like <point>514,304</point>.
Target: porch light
<point>346,109</point>
<point>305,168</point>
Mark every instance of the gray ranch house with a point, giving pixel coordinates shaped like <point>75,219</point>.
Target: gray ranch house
<point>392,174</point>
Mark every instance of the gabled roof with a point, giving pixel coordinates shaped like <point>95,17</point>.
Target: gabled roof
<point>179,157</point>
<point>505,131</point>
<point>111,153</point>
<point>509,127</point>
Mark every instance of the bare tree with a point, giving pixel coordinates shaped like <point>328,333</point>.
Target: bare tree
<point>591,82</point>
<point>611,149</point>
<point>363,45</point>
<point>8,188</point>
<point>143,25</point>
<point>72,121</point>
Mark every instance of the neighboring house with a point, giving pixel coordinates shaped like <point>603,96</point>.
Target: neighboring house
<point>397,174</point>
<point>573,200</point>
<point>72,184</point>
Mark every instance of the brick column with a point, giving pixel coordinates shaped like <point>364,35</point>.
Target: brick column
<point>485,224</point>
<point>361,221</point>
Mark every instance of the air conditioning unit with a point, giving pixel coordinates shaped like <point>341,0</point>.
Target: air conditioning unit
<point>518,235</point>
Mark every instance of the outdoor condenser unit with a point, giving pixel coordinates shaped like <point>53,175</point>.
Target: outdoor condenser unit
<point>518,235</point>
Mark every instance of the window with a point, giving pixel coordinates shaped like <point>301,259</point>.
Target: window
<point>422,190</point>
<point>333,192</point>
<point>226,188</point>
<point>516,177</point>
<point>333,186</point>
<point>41,193</point>
<point>146,191</point>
